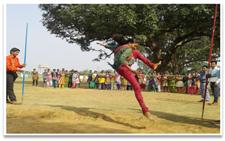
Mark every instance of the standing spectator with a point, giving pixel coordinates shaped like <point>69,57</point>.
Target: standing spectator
<point>66,78</point>
<point>12,65</point>
<point>118,81</point>
<point>70,83</point>
<point>108,80</point>
<point>164,83</point>
<point>194,88</point>
<point>202,79</point>
<point>198,83</point>
<point>44,76</point>
<point>95,79</point>
<point>35,77</point>
<point>159,81</point>
<point>89,80</point>
<point>152,83</point>
<point>147,88</point>
<point>155,80</point>
<point>102,80</point>
<point>185,81</point>
<point>141,79</point>
<point>61,79</point>
<point>92,83</point>
<point>84,78</point>
<point>172,83</point>
<point>214,79</point>
<point>79,79</point>
<point>144,82</point>
<point>58,74</point>
<point>113,82</point>
<point>49,78</point>
<point>179,84</point>
<point>189,82</point>
<point>75,79</point>
<point>54,78</point>
<point>123,83</point>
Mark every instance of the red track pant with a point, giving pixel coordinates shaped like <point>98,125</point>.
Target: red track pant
<point>130,76</point>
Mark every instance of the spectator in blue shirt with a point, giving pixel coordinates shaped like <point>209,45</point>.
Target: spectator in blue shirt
<point>202,79</point>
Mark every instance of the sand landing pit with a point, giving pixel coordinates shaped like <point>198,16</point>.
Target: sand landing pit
<point>78,111</point>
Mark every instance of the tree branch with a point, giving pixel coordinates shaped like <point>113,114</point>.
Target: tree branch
<point>182,43</point>
<point>195,60</point>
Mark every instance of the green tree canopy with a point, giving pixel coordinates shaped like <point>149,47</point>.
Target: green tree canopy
<point>166,32</point>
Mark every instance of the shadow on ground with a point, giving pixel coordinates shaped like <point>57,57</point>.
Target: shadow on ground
<point>27,125</point>
<point>185,119</point>
<point>87,112</point>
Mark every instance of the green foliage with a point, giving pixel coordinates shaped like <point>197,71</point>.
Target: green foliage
<point>174,29</point>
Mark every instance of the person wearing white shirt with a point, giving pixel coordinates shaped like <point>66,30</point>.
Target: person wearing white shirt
<point>214,79</point>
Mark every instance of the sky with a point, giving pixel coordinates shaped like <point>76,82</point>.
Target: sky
<point>42,47</point>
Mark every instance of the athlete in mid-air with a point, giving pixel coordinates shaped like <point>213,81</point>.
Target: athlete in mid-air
<point>125,53</point>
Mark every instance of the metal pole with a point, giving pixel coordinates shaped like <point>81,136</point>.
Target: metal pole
<point>25,57</point>
<point>210,57</point>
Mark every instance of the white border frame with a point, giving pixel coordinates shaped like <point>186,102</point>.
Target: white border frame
<point>5,2</point>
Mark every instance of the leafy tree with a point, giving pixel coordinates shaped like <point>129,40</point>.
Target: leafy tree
<point>166,32</point>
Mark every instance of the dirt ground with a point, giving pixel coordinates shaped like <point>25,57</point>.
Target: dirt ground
<point>78,111</point>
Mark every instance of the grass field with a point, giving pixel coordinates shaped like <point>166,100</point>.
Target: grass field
<point>72,111</point>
